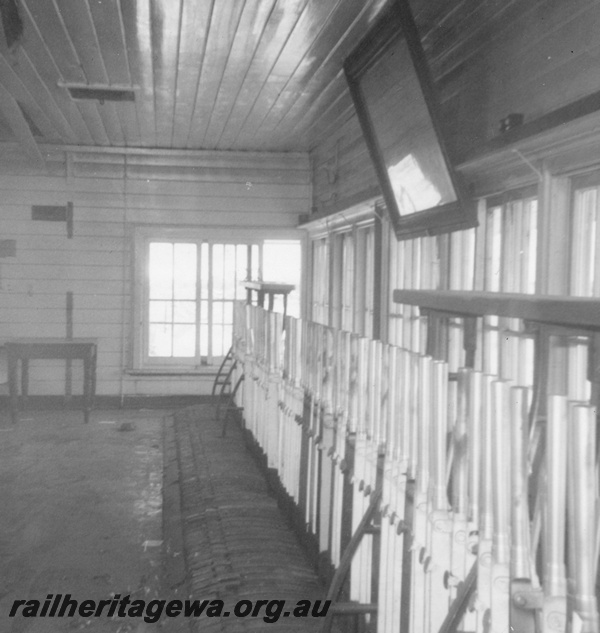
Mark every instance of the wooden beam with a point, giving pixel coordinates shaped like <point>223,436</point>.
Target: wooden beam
<point>577,312</point>
<point>11,110</point>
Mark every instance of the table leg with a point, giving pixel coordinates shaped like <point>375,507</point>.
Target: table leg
<point>13,389</point>
<point>24,381</point>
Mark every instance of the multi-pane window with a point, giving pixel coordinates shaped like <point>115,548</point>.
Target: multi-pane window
<point>498,256</point>
<point>415,265</point>
<point>585,235</point>
<point>343,279</point>
<point>189,290</point>
<point>348,283</point>
<point>366,257</point>
<point>172,292</point>
<point>282,261</point>
<point>223,269</point>
<point>569,354</point>
<point>507,252</point>
<point>320,281</point>
<point>508,233</point>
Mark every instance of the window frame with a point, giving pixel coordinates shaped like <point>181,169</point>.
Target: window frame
<point>139,359</point>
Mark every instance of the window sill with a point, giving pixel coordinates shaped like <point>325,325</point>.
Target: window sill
<point>166,371</point>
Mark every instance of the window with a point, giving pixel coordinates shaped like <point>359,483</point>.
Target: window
<point>570,354</point>
<point>348,281</point>
<point>507,257</point>
<point>343,279</point>
<point>585,259</point>
<point>500,255</point>
<point>172,288</point>
<point>415,264</point>
<point>508,235</point>
<point>365,256</point>
<point>320,281</point>
<point>188,287</point>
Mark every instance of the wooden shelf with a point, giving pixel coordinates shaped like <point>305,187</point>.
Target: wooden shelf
<point>269,287</point>
<point>575,312</point>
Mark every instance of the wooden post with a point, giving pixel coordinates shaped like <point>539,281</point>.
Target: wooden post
<point>68,362</point>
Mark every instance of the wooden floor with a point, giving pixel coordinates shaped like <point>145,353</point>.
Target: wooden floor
<point>80,513</point>
<point>237,544</point>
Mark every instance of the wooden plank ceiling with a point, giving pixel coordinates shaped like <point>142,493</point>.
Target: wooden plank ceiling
<point>207,74</point>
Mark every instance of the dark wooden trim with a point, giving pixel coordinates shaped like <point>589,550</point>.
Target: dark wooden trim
<point>573,312</point>
<point>545,123</point>
<point>367,197</point>
<point>49,213</point>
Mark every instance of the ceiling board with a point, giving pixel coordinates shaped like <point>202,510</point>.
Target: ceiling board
<point>195,25</point>
<point>77,20</point>
<point>262,75</point>
<point>320,80</point>
<point>166,23</point>
<point>288,66</point>
<point>13,83</point>
<point>250,30</point>
<point>135,24</point>
<point>13,114</point>
<point>283,19</point>
<point>47,75</point>
<point>46,99</point>
<point>220,49</point>
<point>109,38</point>
<point>46,18</point>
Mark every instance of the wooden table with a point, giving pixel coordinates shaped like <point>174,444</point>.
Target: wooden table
<point>270,289</point>
<point>24,349</point>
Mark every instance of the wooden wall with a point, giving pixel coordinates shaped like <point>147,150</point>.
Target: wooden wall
<point>531,58</point>
<point>111,194</point>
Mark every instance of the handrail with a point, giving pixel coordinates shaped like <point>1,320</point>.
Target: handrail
<point>576,312</point>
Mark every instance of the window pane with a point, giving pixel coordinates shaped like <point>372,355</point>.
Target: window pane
<point>161,270</point>
<point>204,270</point>
<point>217,270</point>
<point>254,268</point>
<point>241,270</point>
<point>227,339</point>
<point>217,312</point>
<point>230,272</point>
<point>204,312</point>
<point>184,312</point>
<point>204,340</point>
<point>184,271</point>
<point>282,261</point>
<point>161,311</point>
<point>228,312</point>
<point>583,242</point>
<point>159,342</point>
<point>184,340</point>
<point>217,341</point>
